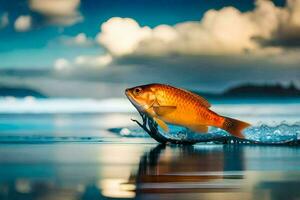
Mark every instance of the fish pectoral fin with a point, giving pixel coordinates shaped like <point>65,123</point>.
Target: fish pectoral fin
<point>163,110</point>
<point>199,128</point>
<point>162,124</point>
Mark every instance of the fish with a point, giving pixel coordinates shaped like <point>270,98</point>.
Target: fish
<point>167,104</point>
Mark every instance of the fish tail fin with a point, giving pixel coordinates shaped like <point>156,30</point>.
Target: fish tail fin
<point>235,127</point>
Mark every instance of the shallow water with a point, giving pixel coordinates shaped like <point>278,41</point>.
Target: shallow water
<point>51,120</point>
<point>142,169</point>
<point>50,154</point>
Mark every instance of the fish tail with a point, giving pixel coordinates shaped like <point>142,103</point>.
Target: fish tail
<point>235,127</point>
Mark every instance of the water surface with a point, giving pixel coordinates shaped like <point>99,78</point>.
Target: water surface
<point>64,153</point>
<point>145,170</point>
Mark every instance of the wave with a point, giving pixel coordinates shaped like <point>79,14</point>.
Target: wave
<point>66,105</point>
<point>61,105</point>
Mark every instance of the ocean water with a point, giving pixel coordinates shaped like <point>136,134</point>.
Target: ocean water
<point>90,149</point>
<point>53,120</point>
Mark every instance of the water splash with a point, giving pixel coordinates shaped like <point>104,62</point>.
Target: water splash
<point>260,133</point>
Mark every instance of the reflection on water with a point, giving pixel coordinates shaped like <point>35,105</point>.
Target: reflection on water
<point>196,171</point>
<point>148,171</point>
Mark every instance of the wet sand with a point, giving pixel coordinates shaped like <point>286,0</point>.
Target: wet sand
<point>143,169</point>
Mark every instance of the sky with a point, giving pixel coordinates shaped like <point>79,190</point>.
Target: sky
<point>198,44</point>
<point>40,42</point>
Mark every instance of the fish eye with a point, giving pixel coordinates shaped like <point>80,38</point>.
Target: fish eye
<point>137,91</point>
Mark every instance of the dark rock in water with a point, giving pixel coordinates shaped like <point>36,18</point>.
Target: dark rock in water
<point>20,92</point>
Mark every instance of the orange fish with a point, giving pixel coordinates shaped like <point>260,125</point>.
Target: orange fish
<point>167,104</point>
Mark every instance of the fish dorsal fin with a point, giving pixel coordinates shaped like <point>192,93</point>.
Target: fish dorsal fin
<point>163,110</point>
<point>162,124</point>
<point>199,128</point>
<point>202,100</point>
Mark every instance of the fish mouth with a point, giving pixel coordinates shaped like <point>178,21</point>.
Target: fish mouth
<point>127,93</point>
<point>133,101</point>
<point>130,98</point>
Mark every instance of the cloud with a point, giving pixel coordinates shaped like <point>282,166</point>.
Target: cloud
<point>4,21</point>
<point>265,30</point>
<point>93,61</point>
<point>61,12</point>
<point>195,72</point>
<point>126,31</point>
<point>23,23</point>
<point>61,64</point>
<point>80,39</point>
<point>287,30</point>
<point>286,58</point>
<point>83,61</point>
<point>261,33</point>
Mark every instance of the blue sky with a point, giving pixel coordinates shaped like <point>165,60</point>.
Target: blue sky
<point>31,48</point>
<point>208,44</point>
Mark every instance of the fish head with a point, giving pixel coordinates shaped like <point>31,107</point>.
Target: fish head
<point>142,97</point>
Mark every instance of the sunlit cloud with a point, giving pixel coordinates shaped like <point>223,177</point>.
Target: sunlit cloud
<point>93,61</point>
<point>83,61</point>
<point>61,64</point>
<point>264,30</point>
<point>60,12</point>
<point>23,23</point>
<point>4,21</point>
<point>79,40</point>
<point>261,32</point>
<point>288,31</point>
<point>122,35</point>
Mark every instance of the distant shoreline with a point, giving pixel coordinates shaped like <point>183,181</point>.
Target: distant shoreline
<point>252,91</point>
<point>20,92</point>
<point>245,91</point>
